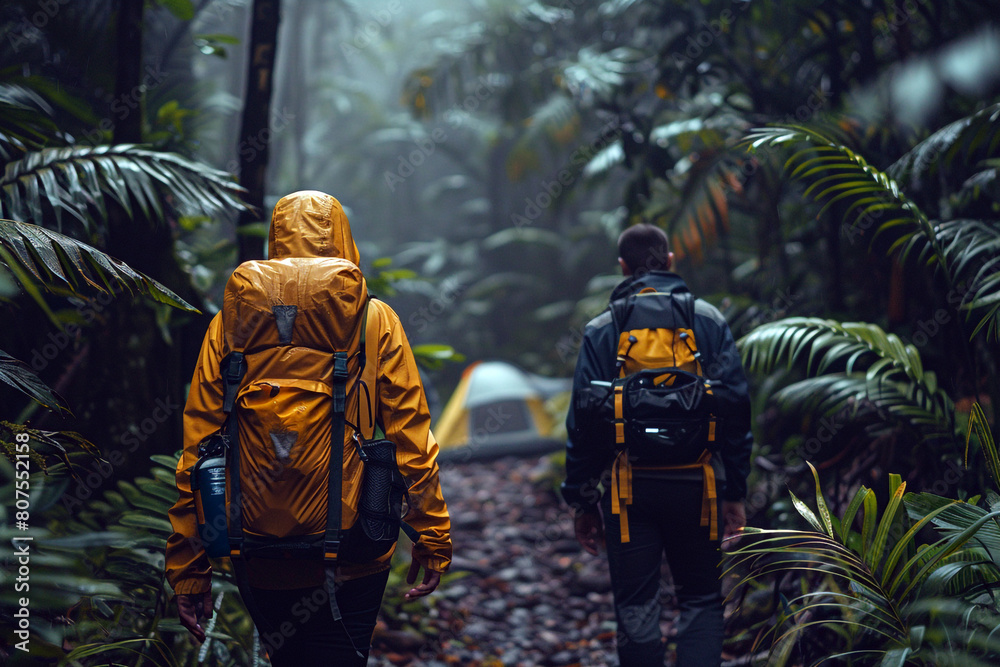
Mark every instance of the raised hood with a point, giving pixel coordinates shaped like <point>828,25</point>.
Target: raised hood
<point>319,302</point>
<point>310,224</point>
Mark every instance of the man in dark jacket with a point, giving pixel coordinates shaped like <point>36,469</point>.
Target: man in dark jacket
<point>667,506</point>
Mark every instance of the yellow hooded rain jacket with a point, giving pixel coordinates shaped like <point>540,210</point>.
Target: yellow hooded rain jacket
<point>313,224</point>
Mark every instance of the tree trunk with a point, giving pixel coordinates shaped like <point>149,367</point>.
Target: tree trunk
<point>255,131</point>
<point>128,70</point>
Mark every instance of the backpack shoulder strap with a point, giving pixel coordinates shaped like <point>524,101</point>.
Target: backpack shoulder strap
<point>331,540</point>
<point>368,428</point>
<point>621,312</point>
<point>618,322</point>
<point>686,301</point>
<point>233,368</point>
<point>338,429</point>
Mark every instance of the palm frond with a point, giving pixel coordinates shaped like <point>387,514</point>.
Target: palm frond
<point>48,447</point>
<point>972,627</point>
<point>956,517</point>
<point>77,179</point>
<point>121,536</point>
<point>824,345</point>
<point>698,213</point>
<point>963,250</point>
<point>970,250</point>
<point>979,425</point>
<point>973,136</point>
<point>873,583</point>
<point>101,572</point>
<point>851,368</point>
<point>889,404</point>
<point>598,74</point>
<point>65,266</point>
<point>19,375</point>
<point>23,119</point>
<point>836,173</point>
<point>986,181</point>
<point>556,122</point>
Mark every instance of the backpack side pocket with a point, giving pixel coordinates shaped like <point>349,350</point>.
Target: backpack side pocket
<point>380,503</point>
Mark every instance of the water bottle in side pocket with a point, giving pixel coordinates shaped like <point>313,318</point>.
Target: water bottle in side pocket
<point>208,483</point>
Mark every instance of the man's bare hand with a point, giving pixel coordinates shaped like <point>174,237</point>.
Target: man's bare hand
<point>192,607</point>
<point>734,517</point>
<point>430,582</point>
<point>589,529</point>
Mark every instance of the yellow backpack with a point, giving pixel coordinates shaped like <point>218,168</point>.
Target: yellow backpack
<point>658,408</point>
<point>304,480</point>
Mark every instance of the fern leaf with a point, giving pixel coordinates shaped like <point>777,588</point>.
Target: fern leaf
<point>938,151</point>
<point>19,375</point>
<point>65,266</point>
<point>77,179</point>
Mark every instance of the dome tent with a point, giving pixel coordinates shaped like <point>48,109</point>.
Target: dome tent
<point>498,410</point>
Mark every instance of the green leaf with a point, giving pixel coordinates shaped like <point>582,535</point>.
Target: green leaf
<point>435,355</point>
<point>182,9</point>
<point>169,462</point>
<point>821,506</point>
<point>806,513</point>
<point>979,425</point>
<point>953,544</point>
<point>142,520</point>
<point>78,178</point>
<point>136,646</point>
<point>63,265</point>
<point>852,510</point>
<point>906,542</point>
<point>87,540</point>
<point>220,37</point>
<point>19,375</point>
<point>257,230</point>
<point>868,521</point>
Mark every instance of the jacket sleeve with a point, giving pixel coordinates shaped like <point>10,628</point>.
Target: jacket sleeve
<point>187,567</point>
<point>406,419</point>
<point>586,446</point>
<point>724,366</point>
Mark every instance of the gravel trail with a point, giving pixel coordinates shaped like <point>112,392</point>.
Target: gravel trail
<point>521,592</point>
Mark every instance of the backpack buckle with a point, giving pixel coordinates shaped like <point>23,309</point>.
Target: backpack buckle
<point>234,367</point>
<point>330,549</point>
<point>358,444</point>
<point>339,381</point>
<point>340,367</point>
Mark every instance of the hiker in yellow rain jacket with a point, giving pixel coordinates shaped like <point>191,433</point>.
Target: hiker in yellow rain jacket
<point>289,596</point>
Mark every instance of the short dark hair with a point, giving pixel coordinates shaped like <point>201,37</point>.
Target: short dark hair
<point>644,247</point>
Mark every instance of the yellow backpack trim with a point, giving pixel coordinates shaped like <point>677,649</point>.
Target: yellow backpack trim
<point>621,491</point>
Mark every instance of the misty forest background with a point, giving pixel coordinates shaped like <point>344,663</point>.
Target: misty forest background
<point>827,171</point>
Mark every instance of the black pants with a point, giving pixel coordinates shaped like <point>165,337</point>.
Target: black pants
<point>664,521</point>
<point>297,627</point>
